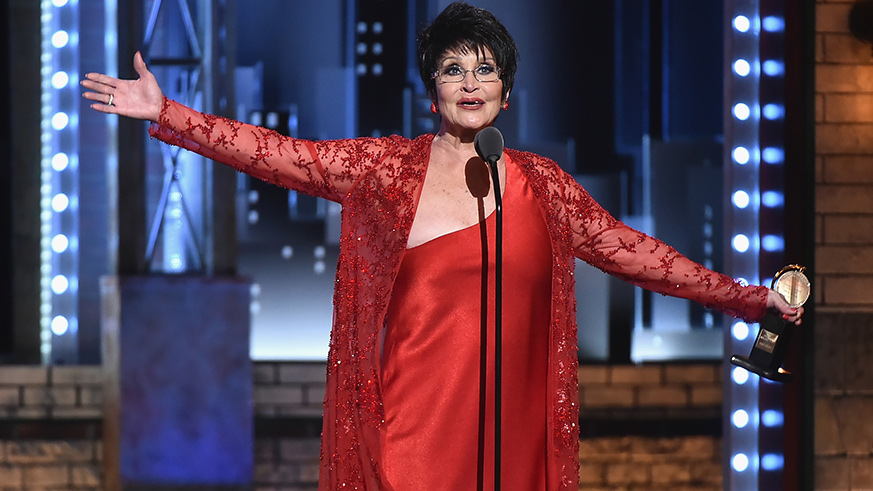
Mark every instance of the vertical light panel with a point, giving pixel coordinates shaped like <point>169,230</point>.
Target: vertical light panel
<point>742,162</point>
<point>59,204</point>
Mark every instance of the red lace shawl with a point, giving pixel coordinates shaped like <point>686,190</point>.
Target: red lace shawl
<point>378,182</point>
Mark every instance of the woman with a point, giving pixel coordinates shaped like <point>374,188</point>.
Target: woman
<point>402,406</point>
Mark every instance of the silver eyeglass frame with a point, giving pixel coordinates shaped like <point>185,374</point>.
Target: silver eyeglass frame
<point>436,74</point>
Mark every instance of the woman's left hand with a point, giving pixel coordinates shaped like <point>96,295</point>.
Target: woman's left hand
<point>777,303</point>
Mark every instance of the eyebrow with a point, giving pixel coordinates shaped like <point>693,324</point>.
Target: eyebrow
<point>454,60</point>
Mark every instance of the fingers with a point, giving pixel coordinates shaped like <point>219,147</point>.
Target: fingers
<point>99,81</point>
<point>139,65</point>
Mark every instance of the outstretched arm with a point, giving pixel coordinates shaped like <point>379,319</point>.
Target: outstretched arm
<point>140,98</point>
<point>617,249</point>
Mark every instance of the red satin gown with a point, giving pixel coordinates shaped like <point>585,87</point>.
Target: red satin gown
<point>430,357</point>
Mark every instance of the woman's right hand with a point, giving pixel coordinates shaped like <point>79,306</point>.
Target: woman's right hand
<point>141,98</point>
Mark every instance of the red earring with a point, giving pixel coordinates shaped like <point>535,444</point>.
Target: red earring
<point>433,108</point>
<point>506,106</point>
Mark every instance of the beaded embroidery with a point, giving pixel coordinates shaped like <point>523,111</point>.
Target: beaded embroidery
<point>378,182</point>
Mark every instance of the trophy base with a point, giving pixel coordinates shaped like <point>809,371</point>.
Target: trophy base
<point>777,375</point>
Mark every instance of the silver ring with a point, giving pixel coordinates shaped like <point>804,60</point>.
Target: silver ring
<point>110,100</point>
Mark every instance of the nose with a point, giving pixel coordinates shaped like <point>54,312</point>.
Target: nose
<point>470,82</point>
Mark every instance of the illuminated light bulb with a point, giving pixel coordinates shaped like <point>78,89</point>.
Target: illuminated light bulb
<point>60,161</point>
<point>773,111</point>
<point>771,418</point>
<point>772,243</point>
<point>773,24</point>
<point>741,199</point>
<point>772,462</point>
<point>60,243</point>
<point>742,23</point>
<point>60,202</point>
<point>740,331</point>
<point>773,68</point>
<point>742,111</point>
<point>60,39</point>
<point>60,80</point>
<point>740,418</point>
<point>740,462</point>
<point>740,375</point>
<point>60,121</point>
<point>60,325</point>
<point>742,67</point>
<point>60,284</point>
<point>741,155</point>
<point>773,155</point>
<point>741,243</point>
<point>772,199</point>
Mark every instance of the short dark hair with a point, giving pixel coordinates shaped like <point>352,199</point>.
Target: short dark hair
<point>462,28</point>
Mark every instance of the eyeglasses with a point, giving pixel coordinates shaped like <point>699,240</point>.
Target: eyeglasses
<point>453,74</point>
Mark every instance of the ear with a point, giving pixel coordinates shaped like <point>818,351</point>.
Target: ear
<point>506,99</point>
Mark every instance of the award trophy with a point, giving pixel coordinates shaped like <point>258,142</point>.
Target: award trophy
<point>772,342</point>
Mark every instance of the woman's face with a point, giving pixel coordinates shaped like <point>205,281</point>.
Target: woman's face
<point>469,105</point>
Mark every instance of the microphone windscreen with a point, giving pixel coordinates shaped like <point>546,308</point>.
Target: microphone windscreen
<point>489,144</point>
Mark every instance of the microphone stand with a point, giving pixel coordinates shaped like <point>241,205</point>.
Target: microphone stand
<point>498,316</point>
<point>489,147</point>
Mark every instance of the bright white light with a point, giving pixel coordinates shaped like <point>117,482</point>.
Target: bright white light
<point>772,418</point>
<point>742,67</point>
<point>741,199</point>
<point>60,39</point>
<point>741,243</point>
<point>773,24</point>
<point>773,68</point>
<point>773,111</point>
<point>740,375</point>
<point>740,462</point>
<point>773,155</point>
<point>60,284</point>
<point>772,199</point>
<point>772,462</point>
<point>60,202</point>
<point>740,331</point>
<point>59,325</point>
<point>742,111</point>
<point>287,252</point>
<point>175,262</point>
<point>740,418</point>
<point>59,3</point>
<point>773,243</point>
<point>60,243</point>
<point>60,121</point>
<point>741,155</point>
<point>60,80</point>
<point>60,161</point>
<point>741,23</point>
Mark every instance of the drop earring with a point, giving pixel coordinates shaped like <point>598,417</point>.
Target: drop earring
<point>433,108</point>
<point>506,106</point>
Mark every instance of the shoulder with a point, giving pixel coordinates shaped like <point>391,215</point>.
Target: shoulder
<point>536,166</point>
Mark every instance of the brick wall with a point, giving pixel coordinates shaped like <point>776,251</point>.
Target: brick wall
<point>844,252</point>
<point>652,427</point>
<point>39,402</point>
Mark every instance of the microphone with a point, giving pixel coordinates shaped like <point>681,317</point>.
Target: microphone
<point>489,144</point>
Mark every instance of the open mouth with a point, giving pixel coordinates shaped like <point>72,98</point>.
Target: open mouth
<point>471,103</point>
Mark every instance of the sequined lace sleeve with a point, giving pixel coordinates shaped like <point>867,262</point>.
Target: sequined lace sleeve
<point>617,249</point>
<point>325,169</point>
